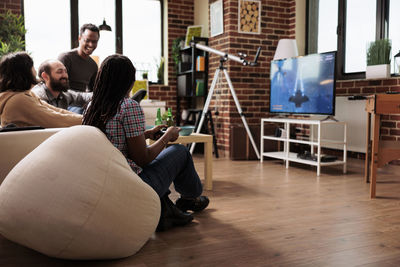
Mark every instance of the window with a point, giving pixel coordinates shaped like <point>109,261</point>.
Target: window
<point>394,32</point>
<point>136,29</point>
<point>348,26</point>
<point>95,11</point>
<point>359,31</point>
<point>142,35</point>
<point>48,33</point>
<point>327,24</point>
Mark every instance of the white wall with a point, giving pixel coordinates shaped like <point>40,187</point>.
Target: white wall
<point>301,26</point>
<point>201,15</point>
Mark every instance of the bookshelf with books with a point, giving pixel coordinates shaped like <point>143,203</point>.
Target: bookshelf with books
<point>192,78</point>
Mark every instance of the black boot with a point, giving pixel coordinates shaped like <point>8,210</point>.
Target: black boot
<point>194,204</point>
<point>171,216</point>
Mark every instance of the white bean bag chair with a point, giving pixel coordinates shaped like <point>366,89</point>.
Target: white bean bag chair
<point>76,197</point>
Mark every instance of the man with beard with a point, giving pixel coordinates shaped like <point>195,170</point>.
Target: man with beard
<point>19,106</point>
<point>81,68</point>
<point>54,86</point>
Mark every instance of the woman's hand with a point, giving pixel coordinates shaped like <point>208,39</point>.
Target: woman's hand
<point>152,133</point>
<point>141,153</point>
<point>172,133</point>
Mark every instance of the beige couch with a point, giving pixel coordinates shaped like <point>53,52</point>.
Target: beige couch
<point>74,196</point>
<point>16,145</point>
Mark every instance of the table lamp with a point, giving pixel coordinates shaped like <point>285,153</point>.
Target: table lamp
<point>286,48</point>
<point>397,64</point>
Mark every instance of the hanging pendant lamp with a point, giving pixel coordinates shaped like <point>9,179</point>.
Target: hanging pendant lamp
<point>104,26</point>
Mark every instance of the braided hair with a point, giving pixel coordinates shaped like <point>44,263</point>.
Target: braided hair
<point>113,81</point>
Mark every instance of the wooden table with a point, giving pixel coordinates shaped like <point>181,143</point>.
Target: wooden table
<point>208,157</point>
<point>379,152</point>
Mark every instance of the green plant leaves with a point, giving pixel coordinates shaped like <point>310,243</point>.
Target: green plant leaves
<point>12,33</point>
<point>378,52</point>
<point>175,51</point>
<point>160,71</point>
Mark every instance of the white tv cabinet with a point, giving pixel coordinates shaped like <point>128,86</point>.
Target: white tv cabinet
<point>314,140</point>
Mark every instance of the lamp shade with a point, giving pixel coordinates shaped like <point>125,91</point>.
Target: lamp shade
<point>286,48</point>
<point>104,26</point>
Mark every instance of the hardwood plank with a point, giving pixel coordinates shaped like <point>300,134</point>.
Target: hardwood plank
<point>262,214</point>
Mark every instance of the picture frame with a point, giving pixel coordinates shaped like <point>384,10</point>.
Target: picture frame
<point>193,31</point>
<point>216,18</point>
<point>249,16</point>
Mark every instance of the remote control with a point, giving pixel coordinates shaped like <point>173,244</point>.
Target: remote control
<point>158,134</point>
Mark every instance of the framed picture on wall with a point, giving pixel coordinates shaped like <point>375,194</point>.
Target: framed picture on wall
<point>249,16</point>
<point>216,18</point>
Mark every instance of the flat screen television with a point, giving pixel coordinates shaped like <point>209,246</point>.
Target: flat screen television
<point>304,85</point>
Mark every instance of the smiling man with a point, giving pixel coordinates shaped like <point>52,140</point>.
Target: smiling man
<point>81,68</point>
<point>55,84</point>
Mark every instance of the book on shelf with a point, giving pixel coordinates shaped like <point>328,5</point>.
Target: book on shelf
<point>200,63</point>
<point>199,88</point>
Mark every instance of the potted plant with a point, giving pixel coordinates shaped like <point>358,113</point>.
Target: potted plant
<point>176,47</point>
<point>160,71</point>
<point>378,59</point>
<point>12,33</point>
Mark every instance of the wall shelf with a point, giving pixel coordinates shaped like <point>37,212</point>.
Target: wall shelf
<point>189,79</point>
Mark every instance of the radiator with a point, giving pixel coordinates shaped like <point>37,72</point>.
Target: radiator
<point>353,112</point>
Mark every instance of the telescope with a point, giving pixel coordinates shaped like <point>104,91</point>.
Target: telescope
<point>241,58</point>
<point>224,57</point>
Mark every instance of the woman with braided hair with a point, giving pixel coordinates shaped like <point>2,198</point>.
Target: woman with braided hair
<point>122,120</point>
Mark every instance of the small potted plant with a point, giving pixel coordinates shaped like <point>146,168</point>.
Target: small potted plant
<point>176,47</point>
<point>160,71</point>
<point>378,59</point>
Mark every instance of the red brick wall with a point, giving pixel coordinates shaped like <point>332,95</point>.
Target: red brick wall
<point>251,84</point>
<point>13,5</point>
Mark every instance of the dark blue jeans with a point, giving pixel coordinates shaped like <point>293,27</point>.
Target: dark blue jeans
<point>173,165</point>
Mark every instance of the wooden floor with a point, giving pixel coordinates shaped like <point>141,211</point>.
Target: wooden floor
<point>262,214</point>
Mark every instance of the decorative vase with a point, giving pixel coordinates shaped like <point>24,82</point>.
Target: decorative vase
<point>378,71</point>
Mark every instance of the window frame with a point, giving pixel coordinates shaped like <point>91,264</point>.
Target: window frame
<point>381,32</point>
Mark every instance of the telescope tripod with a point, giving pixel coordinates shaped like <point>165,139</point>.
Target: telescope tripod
<point>207,104</point>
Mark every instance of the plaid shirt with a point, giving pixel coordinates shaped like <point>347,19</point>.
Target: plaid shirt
<point>64,99</point>
<point>128,122</point>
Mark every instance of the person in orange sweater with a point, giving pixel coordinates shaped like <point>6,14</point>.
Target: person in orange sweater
<point>20,106</point>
